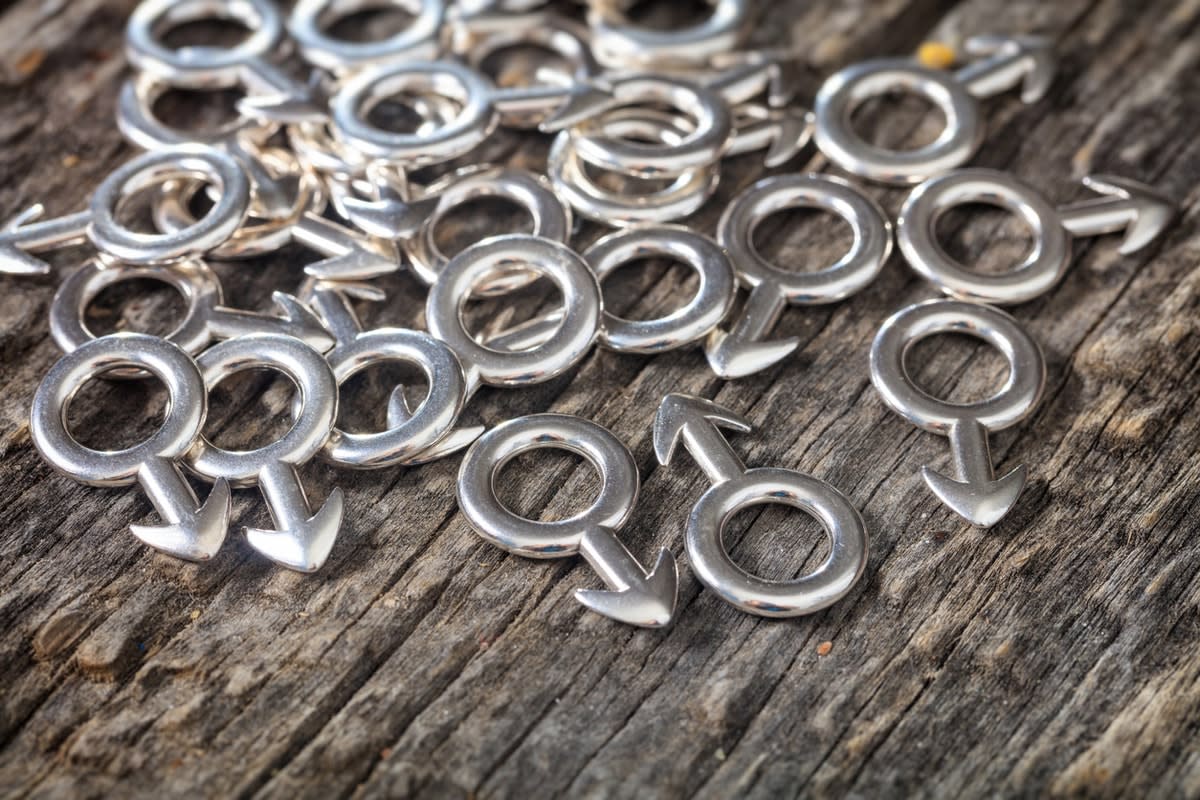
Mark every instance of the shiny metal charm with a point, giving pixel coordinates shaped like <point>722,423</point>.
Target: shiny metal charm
<point>310,21</point>
<point>742,349</point>
<point>634,596</point>
<point>28,233</point>
<point>974,493</point>
<point>302,540</point>
<point>619,44</point>
<point>1003,62</point>
<point>191,530</point>
<point>349,256</point>
<point>1128,207</point>
<point>696,423</point>
<point>411,435</point>
<point>205,319</point>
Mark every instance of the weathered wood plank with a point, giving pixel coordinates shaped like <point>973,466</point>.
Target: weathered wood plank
<point>1054,653</point>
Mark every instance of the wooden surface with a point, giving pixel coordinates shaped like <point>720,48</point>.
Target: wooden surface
<point>1054,654</point>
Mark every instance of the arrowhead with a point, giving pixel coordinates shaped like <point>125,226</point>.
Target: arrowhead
<point>14,260</point>
<point>650,603</point>
<point>284,109</point>
<point>731,357</point>
<point>197,538</point>
<point>273,197</point>
<point>679,410</point>
<point>301,323</point>
<point>1153,211</point>
<point>981,504</point>
<point>1037,54</point>
<point>795,131</point>
<point>359,264</point>
<point>581,105</point>
<point>390,218</point>
<point>303,547</point>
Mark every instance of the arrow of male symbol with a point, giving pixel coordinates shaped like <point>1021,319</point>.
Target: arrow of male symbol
<point>301,540</point>
<point>976,494</point>
<point>24,233</point>
<point>1005,62</point>
<point>193,531</point>
<point>1131,207</point>
<point>697,423</point>
<point>634,596</point>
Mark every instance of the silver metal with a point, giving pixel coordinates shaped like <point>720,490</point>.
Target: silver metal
<point>410,433</point>
<point>152,169</point>
<point>576,334</point>
<point>634,596</point>
<point>191,531</point>
<point>349,256</point>
<point>682,197</point>
<point>696,423</point>
<point>205,318</point>
<point>1128,206</point>
<point>742,349</point>
<point>27,233</point>
<point>310,21</point>
<point>618,44</point>
<point>208,67</point>
<point>782,132</point>
<point>974,493</point>
<point>302,540</point>
<point>1004,63</point>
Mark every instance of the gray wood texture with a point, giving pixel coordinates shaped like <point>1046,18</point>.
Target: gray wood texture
<point>1056,654</point>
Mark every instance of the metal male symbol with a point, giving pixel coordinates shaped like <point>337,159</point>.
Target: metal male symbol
<point>302,540</point>
<point>1004,62</point>
<point>1125,206</point>
<point>634,595</point>
<point>192,531</point>
<point>696,423</point>
<point>975,493</point>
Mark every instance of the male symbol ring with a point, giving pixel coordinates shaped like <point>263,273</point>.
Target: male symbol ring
<point>192,531</point>
<point>311,20</point>
<point>634,596</point>
<point>975,494</point>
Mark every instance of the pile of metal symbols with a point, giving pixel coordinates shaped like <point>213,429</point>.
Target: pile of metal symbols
<point>305,162</point>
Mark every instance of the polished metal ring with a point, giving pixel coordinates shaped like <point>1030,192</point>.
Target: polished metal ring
<point>693,321</point>
<point>153,169</point>
<point>855,270</point>
<point>427,425</point>
<point>916,231</point>
<point>682,197</point>
<point>311,20</point>
<point>845,91</point>
<point>710,136</point>
<point>551,218</point>
<point>619,44</point>
<point>141,126</point>
<point>187,404</point>
<point>194,281</point>
<point>475,121</point>
<point>314,381</point>
<point>570,273</point>
<point>768,598</point>
<point>1018,396</point>
<point>200,67</point>
<point>533,539</point>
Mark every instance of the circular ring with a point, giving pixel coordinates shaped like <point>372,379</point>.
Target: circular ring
<point>311,20</point>
<point>141,126</point>
<point>314,381</point>
<point>703,146</point>
<point>712,301</point>
<point>683,197</point>
<point>792,598</point>
<point>845,91</point>
<point>1014,401</point>
<point>551,218</point>
<point>153,168</point>
<point>560,538</point>
<point>475,121</point>
<point>194,281</point>
<point>916,230</point>
<point>581,303</point>
<point>855,270</point>
<point>187,403</point>
<point>428,424</point>
<point>197,67</point>
<point>621,45</point>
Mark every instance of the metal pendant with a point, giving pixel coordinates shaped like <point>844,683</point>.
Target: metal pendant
<point>974,493</point>
<point>1002,63</point>
<point>191,530</point>
<point>1126,206</point>
<point>302,540</point>
<point>634,596</point>
<point>619,44</point>
<point>311,20</point>
<point>696,423</point>
<point>743,349</point>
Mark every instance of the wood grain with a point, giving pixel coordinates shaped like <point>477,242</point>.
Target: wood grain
<point>1055,654</point>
